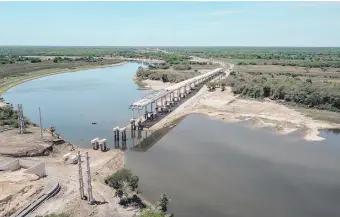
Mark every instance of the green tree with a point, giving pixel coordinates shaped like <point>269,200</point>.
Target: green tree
<point>52,129</point>
<point>165,78</point>
<point>162,203</point>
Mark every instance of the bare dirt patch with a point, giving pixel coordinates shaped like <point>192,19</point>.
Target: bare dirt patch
<point>18,189</point>
<point>29,144</point>
<point>68,199</point>
<point>227,106</point>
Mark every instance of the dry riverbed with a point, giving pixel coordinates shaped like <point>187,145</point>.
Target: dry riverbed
<point>229,107</point>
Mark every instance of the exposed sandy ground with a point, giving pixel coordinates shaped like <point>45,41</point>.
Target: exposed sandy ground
<point>68,200</point>
<point>156,85</point>
<point>14,143</point>
<point>226,106</point>
<point>18,189</point>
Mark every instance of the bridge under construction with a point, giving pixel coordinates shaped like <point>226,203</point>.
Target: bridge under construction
<point>162,102</point>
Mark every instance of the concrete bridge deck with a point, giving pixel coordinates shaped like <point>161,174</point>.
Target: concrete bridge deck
<point>160,103</point>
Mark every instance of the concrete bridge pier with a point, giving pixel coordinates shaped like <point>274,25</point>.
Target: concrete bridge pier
<point>139,125</point>
<point>116,133</point>
<point>95,144</point>
<point>123,132</point>
<point>133,124</point>
<point>146,112</point>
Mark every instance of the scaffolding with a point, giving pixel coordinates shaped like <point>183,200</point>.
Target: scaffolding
<point>81,181</point>
<point>89,186</point>
<point>21,120</point>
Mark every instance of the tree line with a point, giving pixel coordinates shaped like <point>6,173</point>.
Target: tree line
<point>302,91</point>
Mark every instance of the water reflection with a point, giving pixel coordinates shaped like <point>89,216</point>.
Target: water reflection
<point>334,130</point>
<point>72,101</point>
<point>212,168</point>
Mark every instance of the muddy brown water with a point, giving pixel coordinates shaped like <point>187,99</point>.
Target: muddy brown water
<point>213,168</point>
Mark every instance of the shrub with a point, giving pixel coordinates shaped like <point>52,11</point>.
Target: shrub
<point>211,85</point>
<point>123,175</point>
<point>182,67</point>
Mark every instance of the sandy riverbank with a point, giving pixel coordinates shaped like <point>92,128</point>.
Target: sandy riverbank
<point>228,107</point>
<point>14,81</point>
<point>17,189</point>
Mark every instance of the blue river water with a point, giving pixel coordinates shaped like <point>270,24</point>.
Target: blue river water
<point>213,168</point>
<point>72,101</point>
<point>208,168</point>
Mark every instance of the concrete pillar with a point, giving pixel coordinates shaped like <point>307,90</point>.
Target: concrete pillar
<point>133,124</point>
<point>102,144</point>
<point>95,144</point>
<point>146,112</point>
<point>116,133</point>
<point>139,125</point>
<point>123,133</point>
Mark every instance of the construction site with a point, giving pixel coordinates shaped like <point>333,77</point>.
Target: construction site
<point>42,174</point>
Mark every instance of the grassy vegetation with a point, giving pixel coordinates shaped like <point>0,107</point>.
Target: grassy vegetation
<point>165,76</point>
<point>307,77</point>
<point>8,116</point>
<point>312,91</point>
<point>285,56</point>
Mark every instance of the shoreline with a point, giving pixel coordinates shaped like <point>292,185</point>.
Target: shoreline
<point>24,79</point>
<point>225,106</point>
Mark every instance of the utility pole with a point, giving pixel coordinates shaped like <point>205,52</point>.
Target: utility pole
<point>81,182</point>
<point>89,186</point>
<point>41,127</point>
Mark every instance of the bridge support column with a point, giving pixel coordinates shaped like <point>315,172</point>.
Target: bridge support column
<point>123,132</point>
<point>146,112</point>
<point>133,124</point>
<point>116,133</point>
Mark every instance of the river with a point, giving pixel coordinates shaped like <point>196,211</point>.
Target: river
<point>213,168</point>
<point>208,168</point>
<point>72,101</point>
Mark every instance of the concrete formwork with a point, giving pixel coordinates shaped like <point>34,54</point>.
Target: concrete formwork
<point>38,169</point>
<point>12,165</point>
<point>32,167</point>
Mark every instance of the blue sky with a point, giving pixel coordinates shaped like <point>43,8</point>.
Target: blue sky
<point>170,23</point>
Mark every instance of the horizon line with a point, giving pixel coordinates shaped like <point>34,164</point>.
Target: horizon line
<point>169,46</point>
